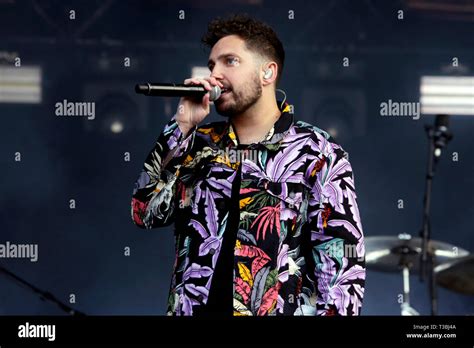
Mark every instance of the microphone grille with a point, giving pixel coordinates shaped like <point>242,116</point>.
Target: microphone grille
<point>215,93</point>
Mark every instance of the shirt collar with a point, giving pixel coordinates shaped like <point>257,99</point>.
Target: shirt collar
<point>276,133</point>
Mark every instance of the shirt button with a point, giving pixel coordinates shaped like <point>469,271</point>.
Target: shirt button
<point>212,251</point>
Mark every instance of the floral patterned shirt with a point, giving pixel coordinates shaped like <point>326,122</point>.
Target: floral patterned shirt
<point>299,245</point>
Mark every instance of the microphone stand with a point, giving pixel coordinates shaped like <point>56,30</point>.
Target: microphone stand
<point>437,140</point>
<point>44,295</point>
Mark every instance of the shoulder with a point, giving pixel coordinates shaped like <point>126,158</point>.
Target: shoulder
<point>320,139</point>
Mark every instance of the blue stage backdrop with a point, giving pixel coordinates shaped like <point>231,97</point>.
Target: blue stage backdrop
<point>67,181</point>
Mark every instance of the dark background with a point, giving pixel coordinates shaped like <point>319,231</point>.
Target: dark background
<point>81,251</point>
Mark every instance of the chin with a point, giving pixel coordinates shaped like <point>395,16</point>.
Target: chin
<point>225,112</point>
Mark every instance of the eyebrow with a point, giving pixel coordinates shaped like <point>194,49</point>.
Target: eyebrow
<point>222,56</point>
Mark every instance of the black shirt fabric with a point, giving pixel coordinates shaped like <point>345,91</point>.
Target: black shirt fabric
<point>220,299</point>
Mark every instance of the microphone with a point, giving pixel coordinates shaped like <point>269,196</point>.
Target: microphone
<point>177,90</point>
<point>441,135</point>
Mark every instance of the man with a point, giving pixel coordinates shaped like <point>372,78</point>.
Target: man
<point>265,212</point>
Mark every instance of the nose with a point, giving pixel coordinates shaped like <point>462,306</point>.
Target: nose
<point>216,74</point>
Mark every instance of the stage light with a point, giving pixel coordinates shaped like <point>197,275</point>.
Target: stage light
<point>450,95</point>
<point>20,85</point>
<point>333,132</point>
<point>200,71</point>
<point>116,127</point>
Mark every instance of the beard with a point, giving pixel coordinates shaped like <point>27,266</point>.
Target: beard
<point>239,101</point>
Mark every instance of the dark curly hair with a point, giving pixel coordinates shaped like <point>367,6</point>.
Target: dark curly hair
<point>258,36</point>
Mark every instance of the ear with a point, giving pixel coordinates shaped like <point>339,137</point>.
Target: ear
<point>272,73</point>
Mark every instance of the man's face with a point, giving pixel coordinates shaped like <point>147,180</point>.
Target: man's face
<point>237,69</point>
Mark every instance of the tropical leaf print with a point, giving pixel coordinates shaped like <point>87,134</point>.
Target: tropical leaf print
<point>269,300</point>
<point>249,251</point>
<point>267,218</point>
<point>245,274</point>
<point>243,289</point>
<point>240,309</point>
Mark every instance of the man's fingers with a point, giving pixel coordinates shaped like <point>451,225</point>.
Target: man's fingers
<point>214,81</point>
<point>196,81</point>
<point>206,82</point>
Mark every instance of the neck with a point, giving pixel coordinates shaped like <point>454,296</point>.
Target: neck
<point>254,124</point>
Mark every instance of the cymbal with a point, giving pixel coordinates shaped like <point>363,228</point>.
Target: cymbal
<point>390,253</point>
<point>457,275</point>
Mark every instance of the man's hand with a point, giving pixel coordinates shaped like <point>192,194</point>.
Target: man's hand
<point>192,111</point>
